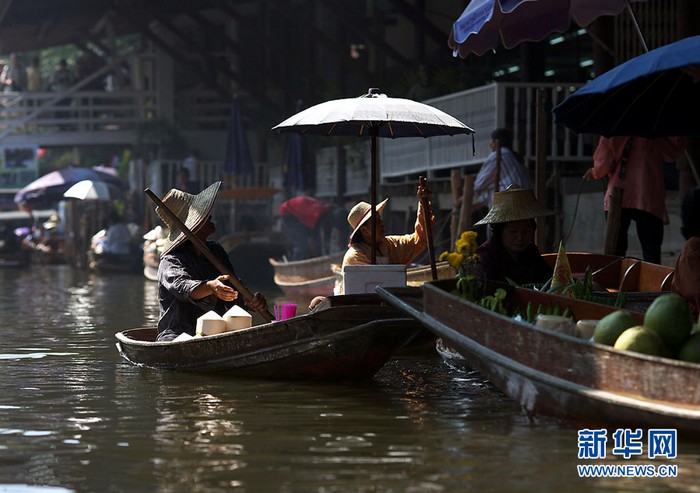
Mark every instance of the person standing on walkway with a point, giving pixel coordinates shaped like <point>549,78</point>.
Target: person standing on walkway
<point>34,79</point>
<point>497,175</point>
<point>635,165</point>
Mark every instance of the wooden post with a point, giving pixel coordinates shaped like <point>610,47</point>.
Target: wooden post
<point>541,162</point>
<point>612,228</point>
<point>465,212</point>
<point>455,182</point>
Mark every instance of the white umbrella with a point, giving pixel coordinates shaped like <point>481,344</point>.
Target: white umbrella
<point>90,190</point>
<point>374,115</point>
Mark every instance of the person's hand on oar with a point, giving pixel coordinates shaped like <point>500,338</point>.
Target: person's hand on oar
<point>423,194</point>
<point>257,303</point>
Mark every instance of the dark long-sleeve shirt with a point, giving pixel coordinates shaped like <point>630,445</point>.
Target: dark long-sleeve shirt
<point>496,264</point>
<point>179,273</point>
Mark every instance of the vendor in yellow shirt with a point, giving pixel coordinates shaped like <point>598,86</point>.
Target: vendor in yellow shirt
<point>391,249</point>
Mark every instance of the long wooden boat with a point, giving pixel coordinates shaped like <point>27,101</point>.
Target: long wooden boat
<point>551,373</point>
<point>346,337</point>
<point>641,281</point>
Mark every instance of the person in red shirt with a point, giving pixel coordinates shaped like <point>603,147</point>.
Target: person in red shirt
<point>308,223</point>
<point>635,165</point>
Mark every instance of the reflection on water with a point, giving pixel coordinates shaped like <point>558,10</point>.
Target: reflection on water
<point>73,415</point>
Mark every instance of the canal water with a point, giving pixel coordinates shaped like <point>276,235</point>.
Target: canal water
<point>76,417</point>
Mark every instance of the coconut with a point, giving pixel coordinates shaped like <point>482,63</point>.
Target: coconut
<point>670,317</point>
<point>612,325</point>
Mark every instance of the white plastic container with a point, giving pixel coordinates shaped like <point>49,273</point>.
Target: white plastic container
<point>364,278</point>
<point>210,323</point>
<point>237,318</point>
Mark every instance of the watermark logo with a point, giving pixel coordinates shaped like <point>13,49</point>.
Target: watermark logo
<point>628,444</point>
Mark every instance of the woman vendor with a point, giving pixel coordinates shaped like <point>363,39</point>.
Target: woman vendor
<point>511,253</point>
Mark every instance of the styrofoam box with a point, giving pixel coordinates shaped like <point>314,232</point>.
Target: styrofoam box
<point>364,278</point>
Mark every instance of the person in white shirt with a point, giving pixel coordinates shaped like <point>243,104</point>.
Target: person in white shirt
<point>492,177</point>
<point>512,171</point>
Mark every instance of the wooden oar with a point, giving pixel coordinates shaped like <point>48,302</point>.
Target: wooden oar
<point>202,247</point>
<point>427,224</point>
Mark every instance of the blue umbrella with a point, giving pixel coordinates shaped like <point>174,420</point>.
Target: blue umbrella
<point>237,160</point>
<point>647,96</point>
<point>295,157</point>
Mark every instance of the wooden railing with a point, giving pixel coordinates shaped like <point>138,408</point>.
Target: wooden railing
<point>483,109</point>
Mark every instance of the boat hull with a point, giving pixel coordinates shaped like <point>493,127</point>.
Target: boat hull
<point>554,374</point>
<point>350,342</point>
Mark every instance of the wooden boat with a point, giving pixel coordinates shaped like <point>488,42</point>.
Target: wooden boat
<point>307,278</point>
<point>346,337</point>
<point>152,247</point>
<point>318,276</point>
<point>555,374</point>
<point>15,228</point>
<point>641,281</point>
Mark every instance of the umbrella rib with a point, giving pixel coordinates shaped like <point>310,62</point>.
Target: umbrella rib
<point>641,93</point>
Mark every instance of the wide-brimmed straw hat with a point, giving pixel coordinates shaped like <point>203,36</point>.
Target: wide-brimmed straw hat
<point>361,213</point>
<point>514,204</point>
<point>192,210</point>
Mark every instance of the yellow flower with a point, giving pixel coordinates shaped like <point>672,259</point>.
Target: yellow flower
<point>455,259</point>
<point>466,244</point>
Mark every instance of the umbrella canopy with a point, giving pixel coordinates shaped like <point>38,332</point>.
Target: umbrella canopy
<point>374,115</point>
<point>237,160</point>
<point>647,96</point>
<point>485,24</point>
<point>49,189</point>
<point>94,190</point>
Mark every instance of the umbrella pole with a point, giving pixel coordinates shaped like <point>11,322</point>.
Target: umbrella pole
<point>428,225</point>
<point>373,192</point>
<point>636,27</point>
<point>202,247</point>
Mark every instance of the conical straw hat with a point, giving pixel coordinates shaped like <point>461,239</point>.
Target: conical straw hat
<point>514,204</point>
<point>192,210</point>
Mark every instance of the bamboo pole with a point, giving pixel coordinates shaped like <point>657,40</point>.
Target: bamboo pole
<point>612,227</point>
<point>455,182</point>
<point>465,213</point>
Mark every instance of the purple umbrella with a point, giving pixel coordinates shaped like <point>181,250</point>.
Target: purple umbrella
<point>485,24</point>
<point>49,189</point>
<point>237,160</point>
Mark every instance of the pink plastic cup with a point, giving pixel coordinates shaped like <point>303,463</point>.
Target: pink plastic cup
<point>289,310</point>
